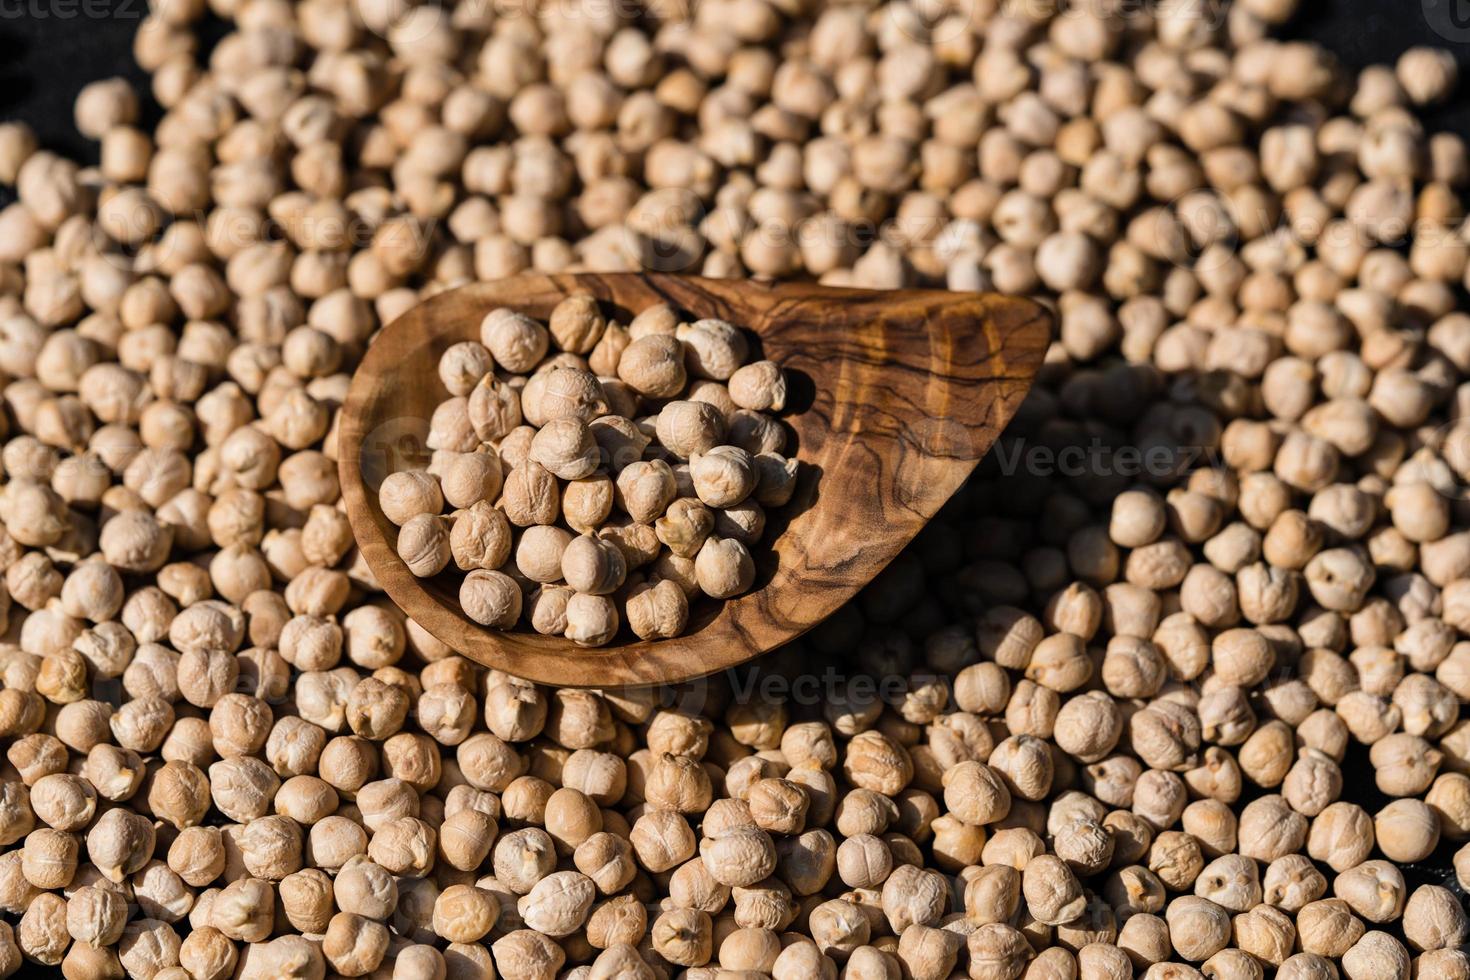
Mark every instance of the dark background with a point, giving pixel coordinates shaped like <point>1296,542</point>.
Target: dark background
<point>49,49</point>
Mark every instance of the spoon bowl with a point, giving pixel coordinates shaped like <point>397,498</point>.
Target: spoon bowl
<point>895,397</point>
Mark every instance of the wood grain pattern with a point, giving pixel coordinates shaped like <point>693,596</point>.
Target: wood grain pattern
<point>897,396</point>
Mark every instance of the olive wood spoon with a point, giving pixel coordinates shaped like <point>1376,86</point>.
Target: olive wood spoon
<point>895,396</point>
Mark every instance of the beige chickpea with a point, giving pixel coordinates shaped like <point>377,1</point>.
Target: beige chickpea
<point>424,544</point>
<point>559,903</point>
<point>462,366</point>
<point>586,503</point>
<point>19,143</point>
<point>527,955</point>
<point>334,841</point>
<point>1374,890</point>
<point>541,550</point>
<point>592,565</point>
<point>1328,927</point>
<point>1051,891</point>
<point>645,489</point>
<point>759,386</point>
<point>491,598</point>
<point>409,493</point>
<point>1404,764</point>
<point>494,408</point>
<point>996,951</point>
<point>976,793</point>
<point>577,324</point>
<point>739,856</point>
<point>516,341</point>
<point>724,567</point>
<point>565,447</point>
<point>653,365</point>
<point>778,806</point>
<point>662,840</point>
<point>606,859</point>
<point>36,756</point>
<point>471,478</point>
<point>1198,928</point>
<point>366,889</point>
<point>563,391</point>
<point>547,609</point>
<point>524,857</point>
<point>120,843</point>
<point>658,611</point>
<point>480,538</point>
<point>863,861</point>
<point>96,915</point>
<point>354,945</point>
<point>723,476</point>
<point>1427,75</point>
<point>713,348</point>
<point>687,428</point>
<point>640,547</point>
<point>375,710</point>
<point>464,914</point>
<point>1375,953</point>
<point>162,894</point>
<point>1451,961</point>
<point>404,846</point>
<point>683,936</point>
<point>49,859</point>
<point>179,794</point>
<point>135,541</point>
<point>592,620</point>
<point>1433,919</point>
<point>242,910</point>
<point>684,526</point>
<point>776,479</point>
<point>1406,827</point>
<point>1341,836</point>
<point>102,105</point>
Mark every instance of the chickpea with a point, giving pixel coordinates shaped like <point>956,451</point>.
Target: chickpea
<point>408,494</point>
<point>1433,919</point>
<point>463,913</point>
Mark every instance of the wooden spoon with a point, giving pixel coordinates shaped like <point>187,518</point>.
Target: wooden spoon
<point>895,397</point>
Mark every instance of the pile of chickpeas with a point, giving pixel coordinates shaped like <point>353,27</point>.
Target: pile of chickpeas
<point>1170,689</point>
<point>600,425</point>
